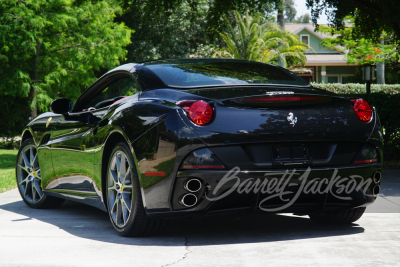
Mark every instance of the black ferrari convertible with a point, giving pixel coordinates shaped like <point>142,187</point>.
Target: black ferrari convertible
<point>191,137</point>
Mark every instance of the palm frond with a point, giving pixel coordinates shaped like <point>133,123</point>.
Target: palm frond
<point>260,41</point>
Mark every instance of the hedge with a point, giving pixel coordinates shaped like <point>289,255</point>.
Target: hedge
<point>357,88</point>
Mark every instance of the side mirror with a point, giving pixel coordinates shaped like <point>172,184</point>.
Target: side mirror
<point>61,105</point>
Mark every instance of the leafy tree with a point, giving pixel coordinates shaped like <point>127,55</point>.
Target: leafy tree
<point>290,10</point>
<point>359,50</point>
<point>175,33</point>
<point>371,17</point>
<point>52,48</point>
<point>205,51</point>
<point>178,29</point>
<point>256,39</point>
<point>303,19</point>
<point>154,9</point>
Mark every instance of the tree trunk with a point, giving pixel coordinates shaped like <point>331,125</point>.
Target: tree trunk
<point>281,18</point>
<point>281,21</point>
<point>36,77</point>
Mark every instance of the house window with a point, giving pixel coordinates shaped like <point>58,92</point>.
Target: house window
<point>305,38</point>
<point>333,78</point>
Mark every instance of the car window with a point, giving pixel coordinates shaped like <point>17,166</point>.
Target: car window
<point>115,91</point>
<point>188,74</point>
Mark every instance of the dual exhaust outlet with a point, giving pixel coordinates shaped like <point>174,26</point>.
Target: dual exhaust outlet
<point>189,200</point>
<point>376,177</point>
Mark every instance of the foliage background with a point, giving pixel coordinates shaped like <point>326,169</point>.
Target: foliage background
<point>52,48</point>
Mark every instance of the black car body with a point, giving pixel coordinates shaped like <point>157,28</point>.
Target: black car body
<point>261,127</point>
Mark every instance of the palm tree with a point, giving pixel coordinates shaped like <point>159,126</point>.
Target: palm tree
<point>287,46</point>
<point>243,41</point>
<point>254,39</point>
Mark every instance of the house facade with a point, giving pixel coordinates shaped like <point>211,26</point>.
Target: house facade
<point>323,65</point>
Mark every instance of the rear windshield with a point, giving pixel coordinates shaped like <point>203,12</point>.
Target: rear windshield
<point>194,74</point>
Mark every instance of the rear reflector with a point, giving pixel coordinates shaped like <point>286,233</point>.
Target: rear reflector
<point>287,99</point>
<point>202,158</point>
<point>366,161</point>
<point>154,173</point>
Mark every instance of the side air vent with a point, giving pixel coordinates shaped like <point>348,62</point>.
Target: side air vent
<point>45,139</point>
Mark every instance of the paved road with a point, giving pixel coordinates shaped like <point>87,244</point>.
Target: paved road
<point>79,235</point>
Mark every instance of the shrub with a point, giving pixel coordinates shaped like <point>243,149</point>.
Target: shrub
<point>357,88</point>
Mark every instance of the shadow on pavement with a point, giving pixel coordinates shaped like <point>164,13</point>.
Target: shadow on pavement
<point>88,222</point>
<point>390,185</point>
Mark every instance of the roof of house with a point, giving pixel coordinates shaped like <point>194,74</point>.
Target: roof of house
<point>298,27</point>
<point>321,58</point>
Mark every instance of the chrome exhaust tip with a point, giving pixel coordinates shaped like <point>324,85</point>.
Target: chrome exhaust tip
<point>377,177</point>
<point>376,190</point>
<point>192,185</point>
<point>188,200</point>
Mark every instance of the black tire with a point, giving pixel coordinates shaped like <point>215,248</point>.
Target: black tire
<point>44,201</point>
<point>339,218</point>
<point>138,223</point>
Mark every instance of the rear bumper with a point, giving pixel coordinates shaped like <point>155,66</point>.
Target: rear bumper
<point>300,191</point>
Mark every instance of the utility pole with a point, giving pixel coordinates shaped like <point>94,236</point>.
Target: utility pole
<point>380,68</point>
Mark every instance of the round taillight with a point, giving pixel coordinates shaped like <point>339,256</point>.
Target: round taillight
<point>199,112</point>
<point>362,109</point>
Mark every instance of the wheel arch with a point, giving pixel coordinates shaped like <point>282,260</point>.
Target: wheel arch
<point>26,135</point>
<point>113,138</point>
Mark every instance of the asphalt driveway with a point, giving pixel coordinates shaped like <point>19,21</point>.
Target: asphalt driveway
<point>79,235</point>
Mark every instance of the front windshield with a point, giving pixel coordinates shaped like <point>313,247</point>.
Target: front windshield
<point>212,73</point>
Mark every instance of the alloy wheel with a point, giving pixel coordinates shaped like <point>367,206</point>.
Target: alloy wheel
<point>28,175</point>
<point>119,188</point>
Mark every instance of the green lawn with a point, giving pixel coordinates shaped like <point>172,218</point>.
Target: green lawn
<point>7,169</point>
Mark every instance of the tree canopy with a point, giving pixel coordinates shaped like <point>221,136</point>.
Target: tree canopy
<point>305,18</point>
<point>51,48</point>
<point>371,16</point>
<point>359,50</point>
<point>290,10</point>
<point>175,33</point>
<point>216,8</point>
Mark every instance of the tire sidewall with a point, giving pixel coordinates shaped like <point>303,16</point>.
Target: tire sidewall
<point>41,202</point>
<point>126,229</point>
